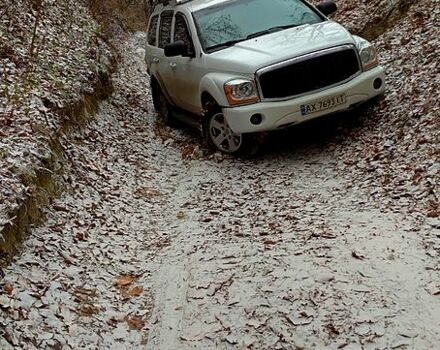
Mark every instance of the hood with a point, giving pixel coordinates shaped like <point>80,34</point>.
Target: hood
<point>251,55</point>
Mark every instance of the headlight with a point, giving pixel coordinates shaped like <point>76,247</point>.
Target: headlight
<point>368,55</point>
<point>241,91</point>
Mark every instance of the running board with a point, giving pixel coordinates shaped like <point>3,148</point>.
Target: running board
<point>186,117</point>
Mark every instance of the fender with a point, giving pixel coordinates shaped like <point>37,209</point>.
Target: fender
<point>212,83</point>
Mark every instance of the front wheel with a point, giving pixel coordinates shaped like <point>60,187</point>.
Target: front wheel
<point>219,135</point>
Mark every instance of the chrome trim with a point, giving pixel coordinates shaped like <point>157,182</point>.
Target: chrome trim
<point>304,58</point>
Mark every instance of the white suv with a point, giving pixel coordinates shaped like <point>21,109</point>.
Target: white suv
<point>240,67</point>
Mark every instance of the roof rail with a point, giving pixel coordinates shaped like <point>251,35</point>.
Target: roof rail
<point>154,3</point>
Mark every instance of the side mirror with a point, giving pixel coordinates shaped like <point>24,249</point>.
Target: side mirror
<point>327,7</point>
<point>178,48</point>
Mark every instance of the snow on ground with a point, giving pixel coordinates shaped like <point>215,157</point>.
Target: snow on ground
<point>80,281</point>
<point>40,74</point>
<point>328,240</point>
<point>279,255</point>
<point>159,247</point>
<point>394,154</point>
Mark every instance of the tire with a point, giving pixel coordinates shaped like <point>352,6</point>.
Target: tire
<point>161,105</point>
<point>154,87</point>
<point>218,135</point>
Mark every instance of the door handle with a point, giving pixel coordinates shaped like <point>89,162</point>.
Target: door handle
<point>173,65</point>
<point>155,60</point>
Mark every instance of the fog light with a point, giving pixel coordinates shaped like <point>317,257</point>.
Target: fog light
<point>256,119</point>
<point>377,84</point>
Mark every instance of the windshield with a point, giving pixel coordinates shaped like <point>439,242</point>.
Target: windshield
<point>224,25</point>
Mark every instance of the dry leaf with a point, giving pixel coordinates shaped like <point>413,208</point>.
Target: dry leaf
<point>181,215</point>
<point>8,288</point>
<point>433,214</point>
<point>357,255</point>
<point>147,192</point>
<point>124,280</point>
<point>83,294</point>
<point>270,242</point>
<point>134,292</point>
<point>88,310</point>
<point>187,151</point>
<point>135,322</point>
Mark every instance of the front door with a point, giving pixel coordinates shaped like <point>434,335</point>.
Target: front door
<point>186,72</point>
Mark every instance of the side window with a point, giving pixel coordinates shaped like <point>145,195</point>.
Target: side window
<point>166,19</point>
<point>152,31</point>
<point>181,32</point>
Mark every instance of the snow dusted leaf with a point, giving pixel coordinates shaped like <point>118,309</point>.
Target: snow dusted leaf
<point>147,192</point>
<point>132,292</point>
<point>135,322</point>
<point>26,300</point>
<point>124,281</point>
<point>88,310</point>
<point>355,254</point>
<point>5,301</point>
<point>181,215</point>
<point>121,332</point>
<point>433,288</point>
<point>8,289</point>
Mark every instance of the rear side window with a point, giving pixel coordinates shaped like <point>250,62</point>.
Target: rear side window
<point>152,31</point>
<point>166,19</point>
<point>181,32</point>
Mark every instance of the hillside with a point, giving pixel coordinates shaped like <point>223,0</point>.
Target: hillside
<point>54,68</point>
<point>396,151</point>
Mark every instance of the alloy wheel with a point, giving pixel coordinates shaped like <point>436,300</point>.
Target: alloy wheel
<point>222,136</point>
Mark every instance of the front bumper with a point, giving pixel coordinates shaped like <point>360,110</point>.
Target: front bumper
<point>279,114</point>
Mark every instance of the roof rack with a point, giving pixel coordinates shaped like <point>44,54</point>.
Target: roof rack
<point>154,3</point>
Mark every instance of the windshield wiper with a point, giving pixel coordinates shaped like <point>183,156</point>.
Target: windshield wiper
<point>224,45</point>
<point>250,36</point>
<point>270,30</point>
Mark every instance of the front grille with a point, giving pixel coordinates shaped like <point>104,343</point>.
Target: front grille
<point>308,73</point>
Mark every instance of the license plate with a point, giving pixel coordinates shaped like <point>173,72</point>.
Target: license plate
<point>323,104</point>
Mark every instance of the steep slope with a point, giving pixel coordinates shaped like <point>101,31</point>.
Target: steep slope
<point>395,153</point>
<point>54,68</point>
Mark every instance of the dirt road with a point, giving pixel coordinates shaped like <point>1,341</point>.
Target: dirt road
<point>161,245</point>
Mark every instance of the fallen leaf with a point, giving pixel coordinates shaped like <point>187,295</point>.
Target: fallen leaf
<point>147,192</point>
<point>83,294</point>
<point>270,242</point>
<point>124,281</point>
<point>8,288</point>
<point>60,208</point>
<point>135,322</point>
<point>433,214</point>
<point>433,289</point>
<point>231,340</point>
<point>357,255</point>
<point>181,215</point>
<point>88,310</point>
<point>187,151</point>
<point>134,292</point>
